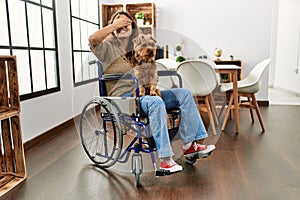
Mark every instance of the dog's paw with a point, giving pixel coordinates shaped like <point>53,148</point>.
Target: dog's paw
<point>142,91</point>
<point>155,93</point>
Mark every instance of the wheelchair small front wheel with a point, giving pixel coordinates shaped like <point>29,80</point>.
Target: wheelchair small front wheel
<point>101,132</point>
<point>137,167</point>
<point>137,176</point>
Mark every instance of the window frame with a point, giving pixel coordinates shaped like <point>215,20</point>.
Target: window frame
<point>82,82</point>
<point>28,48</point>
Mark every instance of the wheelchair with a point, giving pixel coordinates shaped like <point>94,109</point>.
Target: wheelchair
<point>106,121</point>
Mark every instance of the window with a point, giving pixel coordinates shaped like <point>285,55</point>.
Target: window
<point>84,21</point>
<point>28,30</point>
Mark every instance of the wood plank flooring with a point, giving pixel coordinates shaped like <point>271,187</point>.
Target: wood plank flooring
<point>249,165</point>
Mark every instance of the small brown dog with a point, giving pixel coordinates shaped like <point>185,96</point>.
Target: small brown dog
<point>145,69</point>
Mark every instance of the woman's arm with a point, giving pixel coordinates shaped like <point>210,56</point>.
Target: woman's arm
<point>98,36</point>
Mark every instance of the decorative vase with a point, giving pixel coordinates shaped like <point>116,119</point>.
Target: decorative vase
<point>140,22</point>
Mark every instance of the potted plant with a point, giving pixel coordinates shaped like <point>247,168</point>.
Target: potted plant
<point>180,59</point>
<point>140,16</point>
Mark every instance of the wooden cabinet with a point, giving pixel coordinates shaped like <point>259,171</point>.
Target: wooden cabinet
<point>148,9</point>
<point>12,161</point>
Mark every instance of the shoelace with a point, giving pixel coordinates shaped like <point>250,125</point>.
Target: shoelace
<point>196,145</point>
<point>170,161</point>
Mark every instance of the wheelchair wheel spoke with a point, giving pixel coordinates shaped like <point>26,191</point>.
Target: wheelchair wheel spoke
<point>100,135</point>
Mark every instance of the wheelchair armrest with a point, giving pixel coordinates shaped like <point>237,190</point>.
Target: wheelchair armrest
<point>117,76</point>
<point>170,73</point>
<point>120,76</point>
<point>91,62</point>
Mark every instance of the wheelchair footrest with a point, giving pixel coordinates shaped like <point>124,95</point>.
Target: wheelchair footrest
<point>162,172</point>
<point>151,143</point>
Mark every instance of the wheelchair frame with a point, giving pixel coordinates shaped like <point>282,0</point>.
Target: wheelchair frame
<point>112,125</point>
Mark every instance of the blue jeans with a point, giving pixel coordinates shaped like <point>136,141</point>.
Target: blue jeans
<point>191,126</point>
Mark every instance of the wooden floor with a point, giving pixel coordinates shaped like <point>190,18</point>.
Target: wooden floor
<point>248,165</point>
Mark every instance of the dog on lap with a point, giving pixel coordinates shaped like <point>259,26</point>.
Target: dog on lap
<point>145,69</point>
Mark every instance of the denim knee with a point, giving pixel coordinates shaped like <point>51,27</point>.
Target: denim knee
<point>186,92</point>
<point>150,102</point>
<point>184,95</point>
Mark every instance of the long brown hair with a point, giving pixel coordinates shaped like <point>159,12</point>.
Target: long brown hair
<point>129,51</point>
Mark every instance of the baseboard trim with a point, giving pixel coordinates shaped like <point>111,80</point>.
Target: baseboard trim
<point>260,103</point>
<point>263,103</point>
<point>47,135</point>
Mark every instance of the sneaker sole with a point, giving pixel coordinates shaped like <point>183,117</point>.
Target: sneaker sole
<point>197,155</point>
<point>200,154</point>
<point>172,170</point>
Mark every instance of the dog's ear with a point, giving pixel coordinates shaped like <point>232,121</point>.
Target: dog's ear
<point>152,38</point>
<point>135,41</point>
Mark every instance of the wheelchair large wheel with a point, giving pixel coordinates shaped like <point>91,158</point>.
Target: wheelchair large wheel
<point>100,132</point>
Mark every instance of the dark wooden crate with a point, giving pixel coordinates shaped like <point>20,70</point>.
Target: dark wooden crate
<point>108,10</point>
<point>12,160</point>
<point>147,8</point>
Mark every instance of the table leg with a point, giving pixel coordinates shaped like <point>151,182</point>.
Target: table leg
<point>236,103</point>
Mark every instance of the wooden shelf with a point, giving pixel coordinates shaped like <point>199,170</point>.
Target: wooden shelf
<point>147,8</point>
<point>108,10</point>
<point>12,160</point>
<point>8,114</point>
<point>7,182</point>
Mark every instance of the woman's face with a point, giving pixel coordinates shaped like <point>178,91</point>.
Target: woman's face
<point>125,31</point>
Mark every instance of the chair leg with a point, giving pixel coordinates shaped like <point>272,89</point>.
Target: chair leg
<point>250,100</point>
<point>223,107</point>
<point>230,116</point>
<point>227,112</point>
<point>258,112</point>
<point>213,108</point>
<point>210,115</point>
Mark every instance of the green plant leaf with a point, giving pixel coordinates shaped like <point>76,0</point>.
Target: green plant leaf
<point>180,59</point>
<point>140,15</point>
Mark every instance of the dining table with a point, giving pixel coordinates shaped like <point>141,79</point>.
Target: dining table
<point>233,71</point>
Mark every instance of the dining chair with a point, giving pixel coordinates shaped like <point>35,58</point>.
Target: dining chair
<point>247,87</point>
<point>168,63</point>
<point>200,78</point>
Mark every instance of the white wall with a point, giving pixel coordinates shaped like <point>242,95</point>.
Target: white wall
<point>40,114</point>
<point>273,42</point>
<point>242,28</point>
<point>288,54</point>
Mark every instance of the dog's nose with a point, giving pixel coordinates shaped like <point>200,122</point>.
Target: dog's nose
<point>150,51</point>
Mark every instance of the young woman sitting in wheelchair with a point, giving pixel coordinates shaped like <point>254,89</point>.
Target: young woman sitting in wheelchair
<point>113,46</point>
